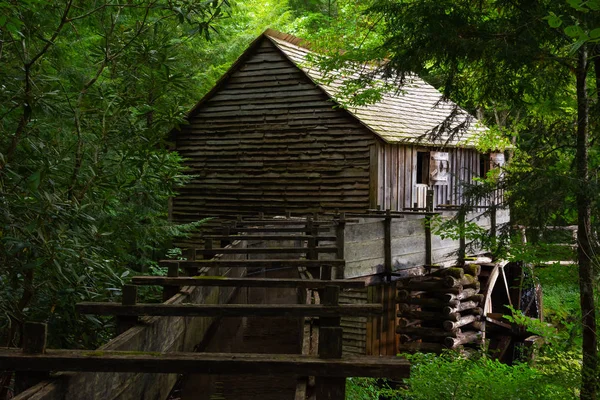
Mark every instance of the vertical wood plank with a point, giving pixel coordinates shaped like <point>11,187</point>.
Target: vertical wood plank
<point>393,177</point>
<point>384,320</point>
<point>373,175</point>
<point>377,318</point>
<point>369,344</point>
<point>401,169</point>
<point>391,348</point>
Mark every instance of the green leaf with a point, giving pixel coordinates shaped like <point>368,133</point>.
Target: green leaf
<point>593,4</point>
<point>33,182</point>
<point>595,34</point>
<point>573,31</point>
<point>554,20</point>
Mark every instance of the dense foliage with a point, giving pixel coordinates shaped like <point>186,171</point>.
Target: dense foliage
<point>89,91</point>
<point>451,376</point>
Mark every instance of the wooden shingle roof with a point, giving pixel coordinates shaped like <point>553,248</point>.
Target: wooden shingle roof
<point>412,115</point>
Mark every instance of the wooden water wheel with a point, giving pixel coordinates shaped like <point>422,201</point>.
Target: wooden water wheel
<point>463,306</point>
<point>508,284</point>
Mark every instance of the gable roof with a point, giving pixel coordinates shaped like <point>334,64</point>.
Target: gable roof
<point>409,116</point>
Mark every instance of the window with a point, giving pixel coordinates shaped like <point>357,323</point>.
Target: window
<point>423,167</point>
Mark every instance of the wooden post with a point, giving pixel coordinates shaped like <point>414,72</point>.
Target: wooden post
<point>387,245</point>
<point>226,232</point>
<point>34,342</point>
<point>339,242</point>
<point>170,290</point>
<point>330,346</point>
<point>129,298</point>
<point>208,245</point>
<point>462,244</point>
<point>493,228</point>
<point>428,246</point>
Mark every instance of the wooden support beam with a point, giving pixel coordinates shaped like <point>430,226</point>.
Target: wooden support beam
<point>34,343</point>
<point>269,237</point>
<point>462,246</point>
<point>204,363</point>
<point>129,298</point>
<point>428,236</point>
<point>279,222</point>
<point>171,290</point>
<point>299,229</point>
<point>266,250</point>
<point>228,310</point>
<point>245,282</point>
<point>340,243</point>
<point>273,263</point>
<point>387,245</point>
<point>330,347</point>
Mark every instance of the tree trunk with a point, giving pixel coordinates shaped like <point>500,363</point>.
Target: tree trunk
<point>584,248</point>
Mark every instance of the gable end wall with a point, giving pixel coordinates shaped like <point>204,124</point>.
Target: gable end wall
<point>269,140</point>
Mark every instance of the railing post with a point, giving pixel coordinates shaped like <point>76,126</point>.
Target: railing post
<point>462,243</point>
<point>208,245</point>
<point>339,242</point>
<point>171,290</point>
<point>34,342</point>
<point>387,245</point>
<point>129,298</point>
<point>428,238</point>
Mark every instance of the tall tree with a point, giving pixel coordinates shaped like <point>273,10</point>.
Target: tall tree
<point>525,66</point>
<point>89,89</point>
<point>514,53</point>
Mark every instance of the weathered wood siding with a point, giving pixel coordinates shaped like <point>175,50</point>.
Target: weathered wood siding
<point>270,140</point>
<point>381,335</point>
<point>397,175</point>
<point>354,337</point>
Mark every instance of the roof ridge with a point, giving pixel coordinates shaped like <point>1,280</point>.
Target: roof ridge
<point>287,37</point>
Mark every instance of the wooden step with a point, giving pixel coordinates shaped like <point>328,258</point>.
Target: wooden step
<point>246,282</point>
<point>228,310</point>
<point>204,363</point>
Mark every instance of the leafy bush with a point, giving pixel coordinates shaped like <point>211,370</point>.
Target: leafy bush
<point>454,376</point>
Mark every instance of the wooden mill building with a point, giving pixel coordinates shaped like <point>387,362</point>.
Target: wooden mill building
<point>270,137</point>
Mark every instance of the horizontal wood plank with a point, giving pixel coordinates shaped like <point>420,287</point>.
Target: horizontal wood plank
<point>245,282</point>
<point>204,363</point>
<point>268,237</point>
<point>266,250</point>
<point>256,263</point>
<point>227,310</point>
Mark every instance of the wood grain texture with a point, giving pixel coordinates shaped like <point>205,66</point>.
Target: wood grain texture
<point>245,282</point>
<point>226,310</point>
<point>209,363</point>
<point>270,140</point>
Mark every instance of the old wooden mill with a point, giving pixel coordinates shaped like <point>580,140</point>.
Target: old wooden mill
<point>352,327</point>
<point>269,138</point>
